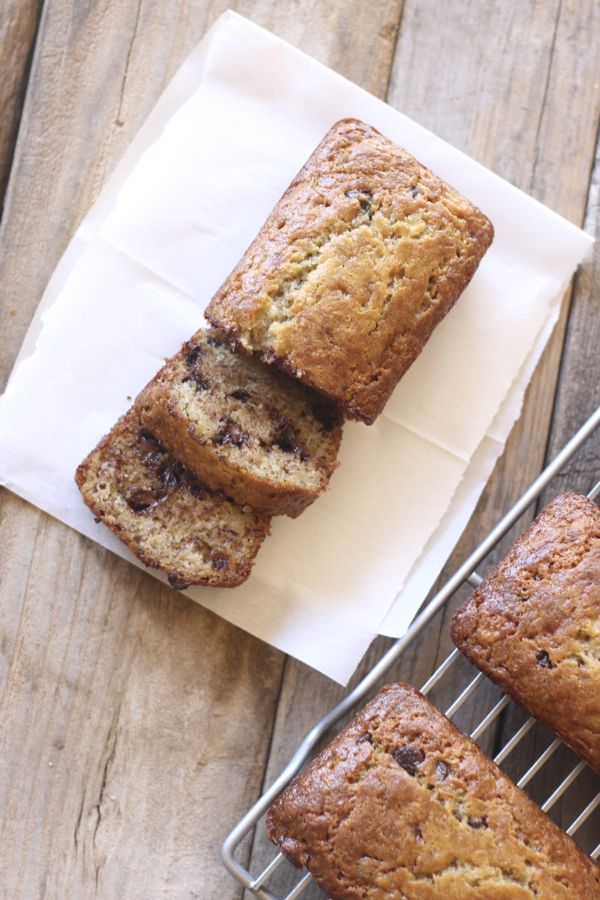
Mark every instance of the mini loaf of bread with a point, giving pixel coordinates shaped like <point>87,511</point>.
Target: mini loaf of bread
<point>243,427</point>
<point>364,254</point>
<point>403,806</point>
<point>533,625</point>
<point>167,518</point>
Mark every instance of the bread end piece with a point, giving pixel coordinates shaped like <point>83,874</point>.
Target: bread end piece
<point>362,257</point>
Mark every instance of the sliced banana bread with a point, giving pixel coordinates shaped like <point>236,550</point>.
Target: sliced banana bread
<point>167,518</point>
<point>243,427</point>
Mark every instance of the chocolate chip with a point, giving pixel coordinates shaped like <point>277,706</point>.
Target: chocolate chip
<point>96,520</point>
<point>326,413</point>
<point>178,583</point>
<point>193,355</point>
<point>214,341</point>
<point>193,360</point>
<point>240,394</point>
<point>202,383</point>
<point>409,758</point>
<point>149,448</point>
<point>191,484</point>
<point>169,474</point>
<point>364,198</point>
<point>415,191</point>
<point>544,660</point>
<point>230,433</point>
<point>418,835</point>
<point>366,737</point>
<point>442,770</point>
<point>219,561</point>
<point>284,437</point>
<point>479,822</point>
<point>143,499</point>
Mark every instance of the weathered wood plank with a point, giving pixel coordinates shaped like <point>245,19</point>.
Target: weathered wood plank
<point>123,733</point>
<point>18,26</point>
<point>526,102</point>
<point>134,725</point>
<point>579,384</point>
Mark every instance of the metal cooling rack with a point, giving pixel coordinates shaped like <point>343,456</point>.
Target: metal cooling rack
<point>466,574</point>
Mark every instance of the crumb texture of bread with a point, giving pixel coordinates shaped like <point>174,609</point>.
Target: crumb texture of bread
<point>403,806</point>
<point>166,516</point>
<point>533,625</point>
<point>361,258</point>
<point>242,427</point>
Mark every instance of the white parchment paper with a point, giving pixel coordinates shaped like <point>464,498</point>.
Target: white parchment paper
<point>230,132</point>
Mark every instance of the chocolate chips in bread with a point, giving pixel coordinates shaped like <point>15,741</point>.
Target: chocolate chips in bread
<point>361,258</point>
<point>243,427</point>
<point>533,624</point>
<point>168,518</point>
<point>403,805</point>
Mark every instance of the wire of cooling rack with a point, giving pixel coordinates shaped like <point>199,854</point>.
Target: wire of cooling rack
<point>465,574</point>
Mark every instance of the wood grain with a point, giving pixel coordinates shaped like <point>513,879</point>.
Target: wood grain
<point>578,392</point>
<point>18,26</point>
<point>526,102</point>
<point>134,724</point>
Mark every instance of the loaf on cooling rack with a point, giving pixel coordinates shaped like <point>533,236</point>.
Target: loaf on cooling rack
<point>533,625</point>
<point>403,805</point>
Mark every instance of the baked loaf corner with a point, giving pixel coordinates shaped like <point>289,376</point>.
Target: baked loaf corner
<point>361,258</point>
<point>243,427</point>
<point>533,624</point>
<point>403,805</point>
<point>166,517</point>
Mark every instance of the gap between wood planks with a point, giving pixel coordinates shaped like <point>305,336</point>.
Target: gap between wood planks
<point>19,23</point>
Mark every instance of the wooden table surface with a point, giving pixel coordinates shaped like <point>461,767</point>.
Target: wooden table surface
<point>136,727</point>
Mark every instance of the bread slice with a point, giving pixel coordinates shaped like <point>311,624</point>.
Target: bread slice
<point>167,518</point>
<point>243,427</point>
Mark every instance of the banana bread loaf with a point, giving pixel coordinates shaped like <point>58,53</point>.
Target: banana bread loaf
<point>243,427</point>
<point>167,518</point>
<point>533,625</point>
<point>402,805</point>
<point>364,254</point>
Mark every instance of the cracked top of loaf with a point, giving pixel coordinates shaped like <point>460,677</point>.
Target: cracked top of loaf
<point>364,254</point>
<point>403,805</point>
<point>533,624</point>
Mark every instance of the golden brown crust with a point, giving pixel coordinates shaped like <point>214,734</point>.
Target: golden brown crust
<point>362,257</point>
<point>166,517</point>
<point>533,625</point>
<point>403,805</point>
<point>205,389</point>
